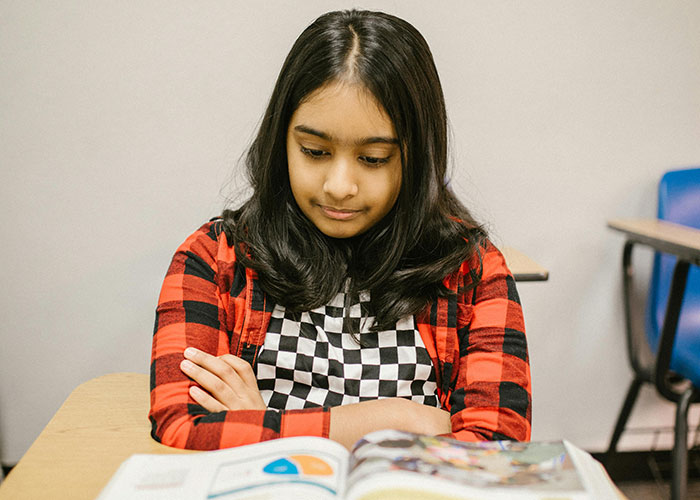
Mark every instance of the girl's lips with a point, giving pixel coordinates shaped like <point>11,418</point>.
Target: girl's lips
<point>338,213</point>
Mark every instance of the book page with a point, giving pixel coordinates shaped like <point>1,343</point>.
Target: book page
<point>391,464</point>
<point>303,467</point>
<point>593,474</point>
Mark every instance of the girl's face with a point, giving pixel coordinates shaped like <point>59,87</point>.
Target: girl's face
<point>344,160</point>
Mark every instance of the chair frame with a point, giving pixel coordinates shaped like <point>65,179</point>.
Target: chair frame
<point>658,372</point>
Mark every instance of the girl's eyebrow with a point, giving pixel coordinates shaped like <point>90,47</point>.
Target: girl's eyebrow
<point>363,141</point>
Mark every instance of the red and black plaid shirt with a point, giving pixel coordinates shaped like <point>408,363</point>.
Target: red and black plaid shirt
<point>475,339</point>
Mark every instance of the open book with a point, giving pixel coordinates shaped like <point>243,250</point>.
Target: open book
<point>383,465</point>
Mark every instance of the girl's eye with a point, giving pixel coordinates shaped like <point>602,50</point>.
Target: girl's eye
<point>373,160</point>
<point>313,153</point>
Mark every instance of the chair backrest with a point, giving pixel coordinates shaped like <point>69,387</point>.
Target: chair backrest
<point>679,201</point>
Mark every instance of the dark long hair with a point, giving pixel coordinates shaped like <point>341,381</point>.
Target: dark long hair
<point>402,259</point>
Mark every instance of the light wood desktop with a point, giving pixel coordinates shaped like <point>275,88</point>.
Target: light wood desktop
<point>100,425</point>
<point>663,236</point>
<point>523,267</point>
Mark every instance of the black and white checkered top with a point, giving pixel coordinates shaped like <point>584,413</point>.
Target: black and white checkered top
<point>312,359</point>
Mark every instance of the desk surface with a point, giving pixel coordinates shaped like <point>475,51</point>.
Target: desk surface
<point>104,421</point>
<point>682,241</point>
<point>100,425</point>
<point>523,267</point>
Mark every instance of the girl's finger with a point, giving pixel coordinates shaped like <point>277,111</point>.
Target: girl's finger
<point>216,387</point>
<point>205,400</point>
<point>229,379</point>
<point>213,364</point>
<point>242,368</point>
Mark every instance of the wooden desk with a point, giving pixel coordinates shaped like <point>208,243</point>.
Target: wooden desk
<point>100,425</point>
<point>667,237</point>
<point>523,267</point>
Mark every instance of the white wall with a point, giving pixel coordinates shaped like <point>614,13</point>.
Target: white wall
<point>121,124</point>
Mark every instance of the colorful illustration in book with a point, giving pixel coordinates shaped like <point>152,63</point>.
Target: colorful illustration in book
<point>307,465</point>
<point>486,464</point>
<point>294,473</point>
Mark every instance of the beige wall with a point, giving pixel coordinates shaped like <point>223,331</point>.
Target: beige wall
<point>121,124</point>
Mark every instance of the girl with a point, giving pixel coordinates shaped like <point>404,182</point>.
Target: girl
<point>352,292</point>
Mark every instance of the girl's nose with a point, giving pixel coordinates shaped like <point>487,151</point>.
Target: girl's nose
<point>340,182</point>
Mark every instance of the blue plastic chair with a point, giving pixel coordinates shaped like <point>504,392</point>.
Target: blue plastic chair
<point>679,202</point>
<point>671,362</point>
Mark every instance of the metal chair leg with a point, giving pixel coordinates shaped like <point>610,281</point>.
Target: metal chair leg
<point>679,482</point>
<point>630,399</point>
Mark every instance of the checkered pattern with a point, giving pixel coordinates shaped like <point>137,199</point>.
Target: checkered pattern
<point>312,359</point>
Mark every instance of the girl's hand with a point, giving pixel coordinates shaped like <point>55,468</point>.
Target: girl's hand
<point>228,381</point>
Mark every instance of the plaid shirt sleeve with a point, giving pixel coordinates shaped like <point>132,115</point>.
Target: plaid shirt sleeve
<point>491,393</point>
<point>200,305</point>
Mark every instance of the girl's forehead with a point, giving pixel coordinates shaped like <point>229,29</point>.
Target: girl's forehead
<point>340,108</point>
<point>336,90</point>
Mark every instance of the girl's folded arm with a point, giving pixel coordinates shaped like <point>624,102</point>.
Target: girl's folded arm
<point>190,314</point>
<point>186,425</point>
<point>492,395</point>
